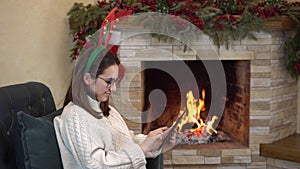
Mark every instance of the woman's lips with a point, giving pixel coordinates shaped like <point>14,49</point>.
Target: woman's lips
<point>107,94</point>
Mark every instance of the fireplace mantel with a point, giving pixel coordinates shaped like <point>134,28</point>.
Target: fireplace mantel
<point>280,23</point>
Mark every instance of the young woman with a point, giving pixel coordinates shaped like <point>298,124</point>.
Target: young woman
<point>91,133</point>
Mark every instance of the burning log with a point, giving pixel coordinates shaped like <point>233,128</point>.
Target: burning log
<point>192,139</point>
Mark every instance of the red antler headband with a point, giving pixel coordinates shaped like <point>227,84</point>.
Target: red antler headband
<point>106,30</point>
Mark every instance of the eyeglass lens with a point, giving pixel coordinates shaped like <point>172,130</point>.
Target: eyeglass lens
<point>109,82</point>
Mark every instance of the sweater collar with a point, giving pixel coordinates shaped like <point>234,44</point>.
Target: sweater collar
<point>94,104</point>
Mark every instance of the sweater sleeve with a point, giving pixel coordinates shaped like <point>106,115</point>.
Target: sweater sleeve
<point>93,154</point>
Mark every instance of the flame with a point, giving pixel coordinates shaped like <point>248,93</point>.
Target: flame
<point>194,108</point>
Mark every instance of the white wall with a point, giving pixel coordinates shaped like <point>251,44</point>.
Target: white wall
<point>35,43</point>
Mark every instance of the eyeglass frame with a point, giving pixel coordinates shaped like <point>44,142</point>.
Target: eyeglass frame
<point>109,81</point>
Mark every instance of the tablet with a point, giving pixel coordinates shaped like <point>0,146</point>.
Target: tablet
<point>173,127</point>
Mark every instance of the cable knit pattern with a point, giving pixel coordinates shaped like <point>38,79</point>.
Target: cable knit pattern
<point>90,143</point>
<point>79,136</point>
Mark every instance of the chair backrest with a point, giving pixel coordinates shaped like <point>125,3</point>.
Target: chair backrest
<point>33,98</point>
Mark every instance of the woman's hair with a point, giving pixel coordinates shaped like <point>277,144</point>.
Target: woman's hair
<point>78,90</point>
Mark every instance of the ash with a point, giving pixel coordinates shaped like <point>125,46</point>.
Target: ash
<point>192,139</point>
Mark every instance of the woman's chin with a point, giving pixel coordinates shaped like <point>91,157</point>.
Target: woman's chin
<point>104,98</point>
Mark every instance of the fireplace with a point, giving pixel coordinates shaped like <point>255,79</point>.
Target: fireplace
<point>231,129</point>
<point>266,101</point>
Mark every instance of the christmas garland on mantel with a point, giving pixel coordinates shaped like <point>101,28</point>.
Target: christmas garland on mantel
<point>222,20</point>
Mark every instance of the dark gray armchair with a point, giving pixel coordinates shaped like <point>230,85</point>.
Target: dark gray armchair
<point>25,110</point>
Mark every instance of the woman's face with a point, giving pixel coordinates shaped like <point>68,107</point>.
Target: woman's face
<point>105,83</point>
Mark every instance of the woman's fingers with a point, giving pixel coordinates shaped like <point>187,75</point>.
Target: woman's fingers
<point>158,131</point>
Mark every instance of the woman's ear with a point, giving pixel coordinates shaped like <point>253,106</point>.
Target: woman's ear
<point>87,79</point>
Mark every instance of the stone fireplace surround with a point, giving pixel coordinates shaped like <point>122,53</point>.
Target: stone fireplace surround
<point>273,97</point>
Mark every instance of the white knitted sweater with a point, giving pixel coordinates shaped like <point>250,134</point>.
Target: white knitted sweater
<point>86,142</point>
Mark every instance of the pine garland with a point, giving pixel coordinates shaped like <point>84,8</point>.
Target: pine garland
<point>292,48</point>
<point>222,20</point>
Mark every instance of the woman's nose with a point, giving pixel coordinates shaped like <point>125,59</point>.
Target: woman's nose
<point>113,87</point>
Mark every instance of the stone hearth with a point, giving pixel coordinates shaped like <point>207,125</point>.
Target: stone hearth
<point>273,97</point>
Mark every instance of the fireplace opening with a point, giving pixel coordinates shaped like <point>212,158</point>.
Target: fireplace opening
<point>197,130</point>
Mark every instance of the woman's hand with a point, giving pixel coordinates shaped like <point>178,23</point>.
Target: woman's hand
<point>170,143</point>
<point>154,139</point>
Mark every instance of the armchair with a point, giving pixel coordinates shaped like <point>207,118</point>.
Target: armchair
<point>27,138</point>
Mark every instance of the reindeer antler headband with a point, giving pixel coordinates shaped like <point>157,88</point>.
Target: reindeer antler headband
<point>106,30</point>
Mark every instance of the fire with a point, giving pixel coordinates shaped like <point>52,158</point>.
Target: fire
<point>193,123</point>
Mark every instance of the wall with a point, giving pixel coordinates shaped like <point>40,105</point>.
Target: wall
<point>35,43</point>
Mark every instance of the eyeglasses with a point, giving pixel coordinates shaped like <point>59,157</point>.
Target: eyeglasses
<point>109,81</point>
